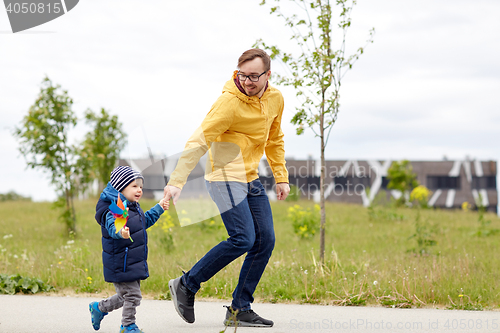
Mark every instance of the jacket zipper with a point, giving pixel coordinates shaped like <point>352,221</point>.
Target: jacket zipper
<point>143,223</point>
<point>125,260</point>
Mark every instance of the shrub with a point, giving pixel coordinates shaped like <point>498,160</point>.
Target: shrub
<point>402,178</point>
<point>305,221</point>
<point>166,234</point>
<point>12,284</point>
<point>420,196</point>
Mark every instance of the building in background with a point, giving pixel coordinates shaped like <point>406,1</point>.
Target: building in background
<point>352,181</point>
<point>451,182</point>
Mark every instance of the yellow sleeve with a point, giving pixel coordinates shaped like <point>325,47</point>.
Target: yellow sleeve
<point>217,121</point>
<point>275,149</point>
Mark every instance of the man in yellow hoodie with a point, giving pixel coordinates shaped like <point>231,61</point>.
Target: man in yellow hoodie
<point>242,125</point>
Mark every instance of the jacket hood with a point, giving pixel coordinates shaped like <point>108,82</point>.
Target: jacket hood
<point>111,194</point>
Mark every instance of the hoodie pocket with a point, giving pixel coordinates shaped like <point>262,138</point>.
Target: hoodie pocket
<point>125,260</point>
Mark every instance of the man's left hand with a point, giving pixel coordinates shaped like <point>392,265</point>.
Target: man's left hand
<point>282,190</point>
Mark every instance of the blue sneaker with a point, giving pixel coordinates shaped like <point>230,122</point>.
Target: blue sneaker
<point>96,315</point>
<point>132,328</point>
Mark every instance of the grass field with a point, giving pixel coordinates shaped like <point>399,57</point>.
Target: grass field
<point>370,257</point>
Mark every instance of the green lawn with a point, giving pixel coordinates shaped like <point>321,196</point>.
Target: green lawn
<point>370,257</point>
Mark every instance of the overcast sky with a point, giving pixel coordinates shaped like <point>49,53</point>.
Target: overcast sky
<point>426,88</point>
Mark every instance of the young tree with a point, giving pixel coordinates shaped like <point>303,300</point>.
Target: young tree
<point>317,71</point>
<point>402,178</point>
<point>43,136</point>
<point>101,148</point>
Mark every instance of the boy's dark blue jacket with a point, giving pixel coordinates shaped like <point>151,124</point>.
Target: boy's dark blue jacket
<point>124,260</point>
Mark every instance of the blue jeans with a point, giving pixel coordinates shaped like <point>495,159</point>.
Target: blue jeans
<point>247,216</point>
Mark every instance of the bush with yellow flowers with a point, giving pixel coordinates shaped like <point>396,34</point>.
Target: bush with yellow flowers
<point>305,221</point>
<point>419,196</point>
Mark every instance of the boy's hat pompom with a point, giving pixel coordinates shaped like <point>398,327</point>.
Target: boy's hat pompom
<point>122,176</point>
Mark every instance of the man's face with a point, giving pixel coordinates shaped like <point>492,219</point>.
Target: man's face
<point>254,67</point>
<point>133,192</point>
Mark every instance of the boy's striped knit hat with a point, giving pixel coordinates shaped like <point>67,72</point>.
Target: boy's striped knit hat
<point>122,176</point>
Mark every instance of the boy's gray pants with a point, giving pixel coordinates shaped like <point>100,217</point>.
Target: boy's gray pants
<point>128,295</point>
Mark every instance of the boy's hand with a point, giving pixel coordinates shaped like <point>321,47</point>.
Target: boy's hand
<point>125,232</point>
<point>164,204</point>
<point>171,192</point>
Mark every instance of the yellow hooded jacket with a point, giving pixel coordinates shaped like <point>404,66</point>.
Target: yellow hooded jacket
<point>237,130</point>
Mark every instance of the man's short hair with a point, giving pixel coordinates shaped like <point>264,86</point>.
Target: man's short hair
<point>254,53</point>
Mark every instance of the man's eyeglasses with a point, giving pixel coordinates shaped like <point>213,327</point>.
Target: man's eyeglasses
<point>253,78</point>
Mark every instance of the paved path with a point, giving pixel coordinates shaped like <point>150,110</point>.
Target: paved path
<point>40,314</point>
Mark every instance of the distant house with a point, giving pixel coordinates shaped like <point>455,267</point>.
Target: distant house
<point>451,182</point>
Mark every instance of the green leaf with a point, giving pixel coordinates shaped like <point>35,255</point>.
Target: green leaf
<point>34,288</point>
<point>25,283</point>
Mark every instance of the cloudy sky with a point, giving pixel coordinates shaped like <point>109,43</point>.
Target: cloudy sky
<point>423,90</point>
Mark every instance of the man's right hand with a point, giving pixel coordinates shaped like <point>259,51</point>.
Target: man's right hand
<point>171,192</point>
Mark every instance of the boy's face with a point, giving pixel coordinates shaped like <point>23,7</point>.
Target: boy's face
<point>133,192</point>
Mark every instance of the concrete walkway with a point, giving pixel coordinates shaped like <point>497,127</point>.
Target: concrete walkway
<point>40,314</point>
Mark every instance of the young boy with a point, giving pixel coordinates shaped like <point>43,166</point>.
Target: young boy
<point>124,253</point>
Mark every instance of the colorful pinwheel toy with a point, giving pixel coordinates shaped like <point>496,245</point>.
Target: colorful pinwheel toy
<point>120,213</point>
